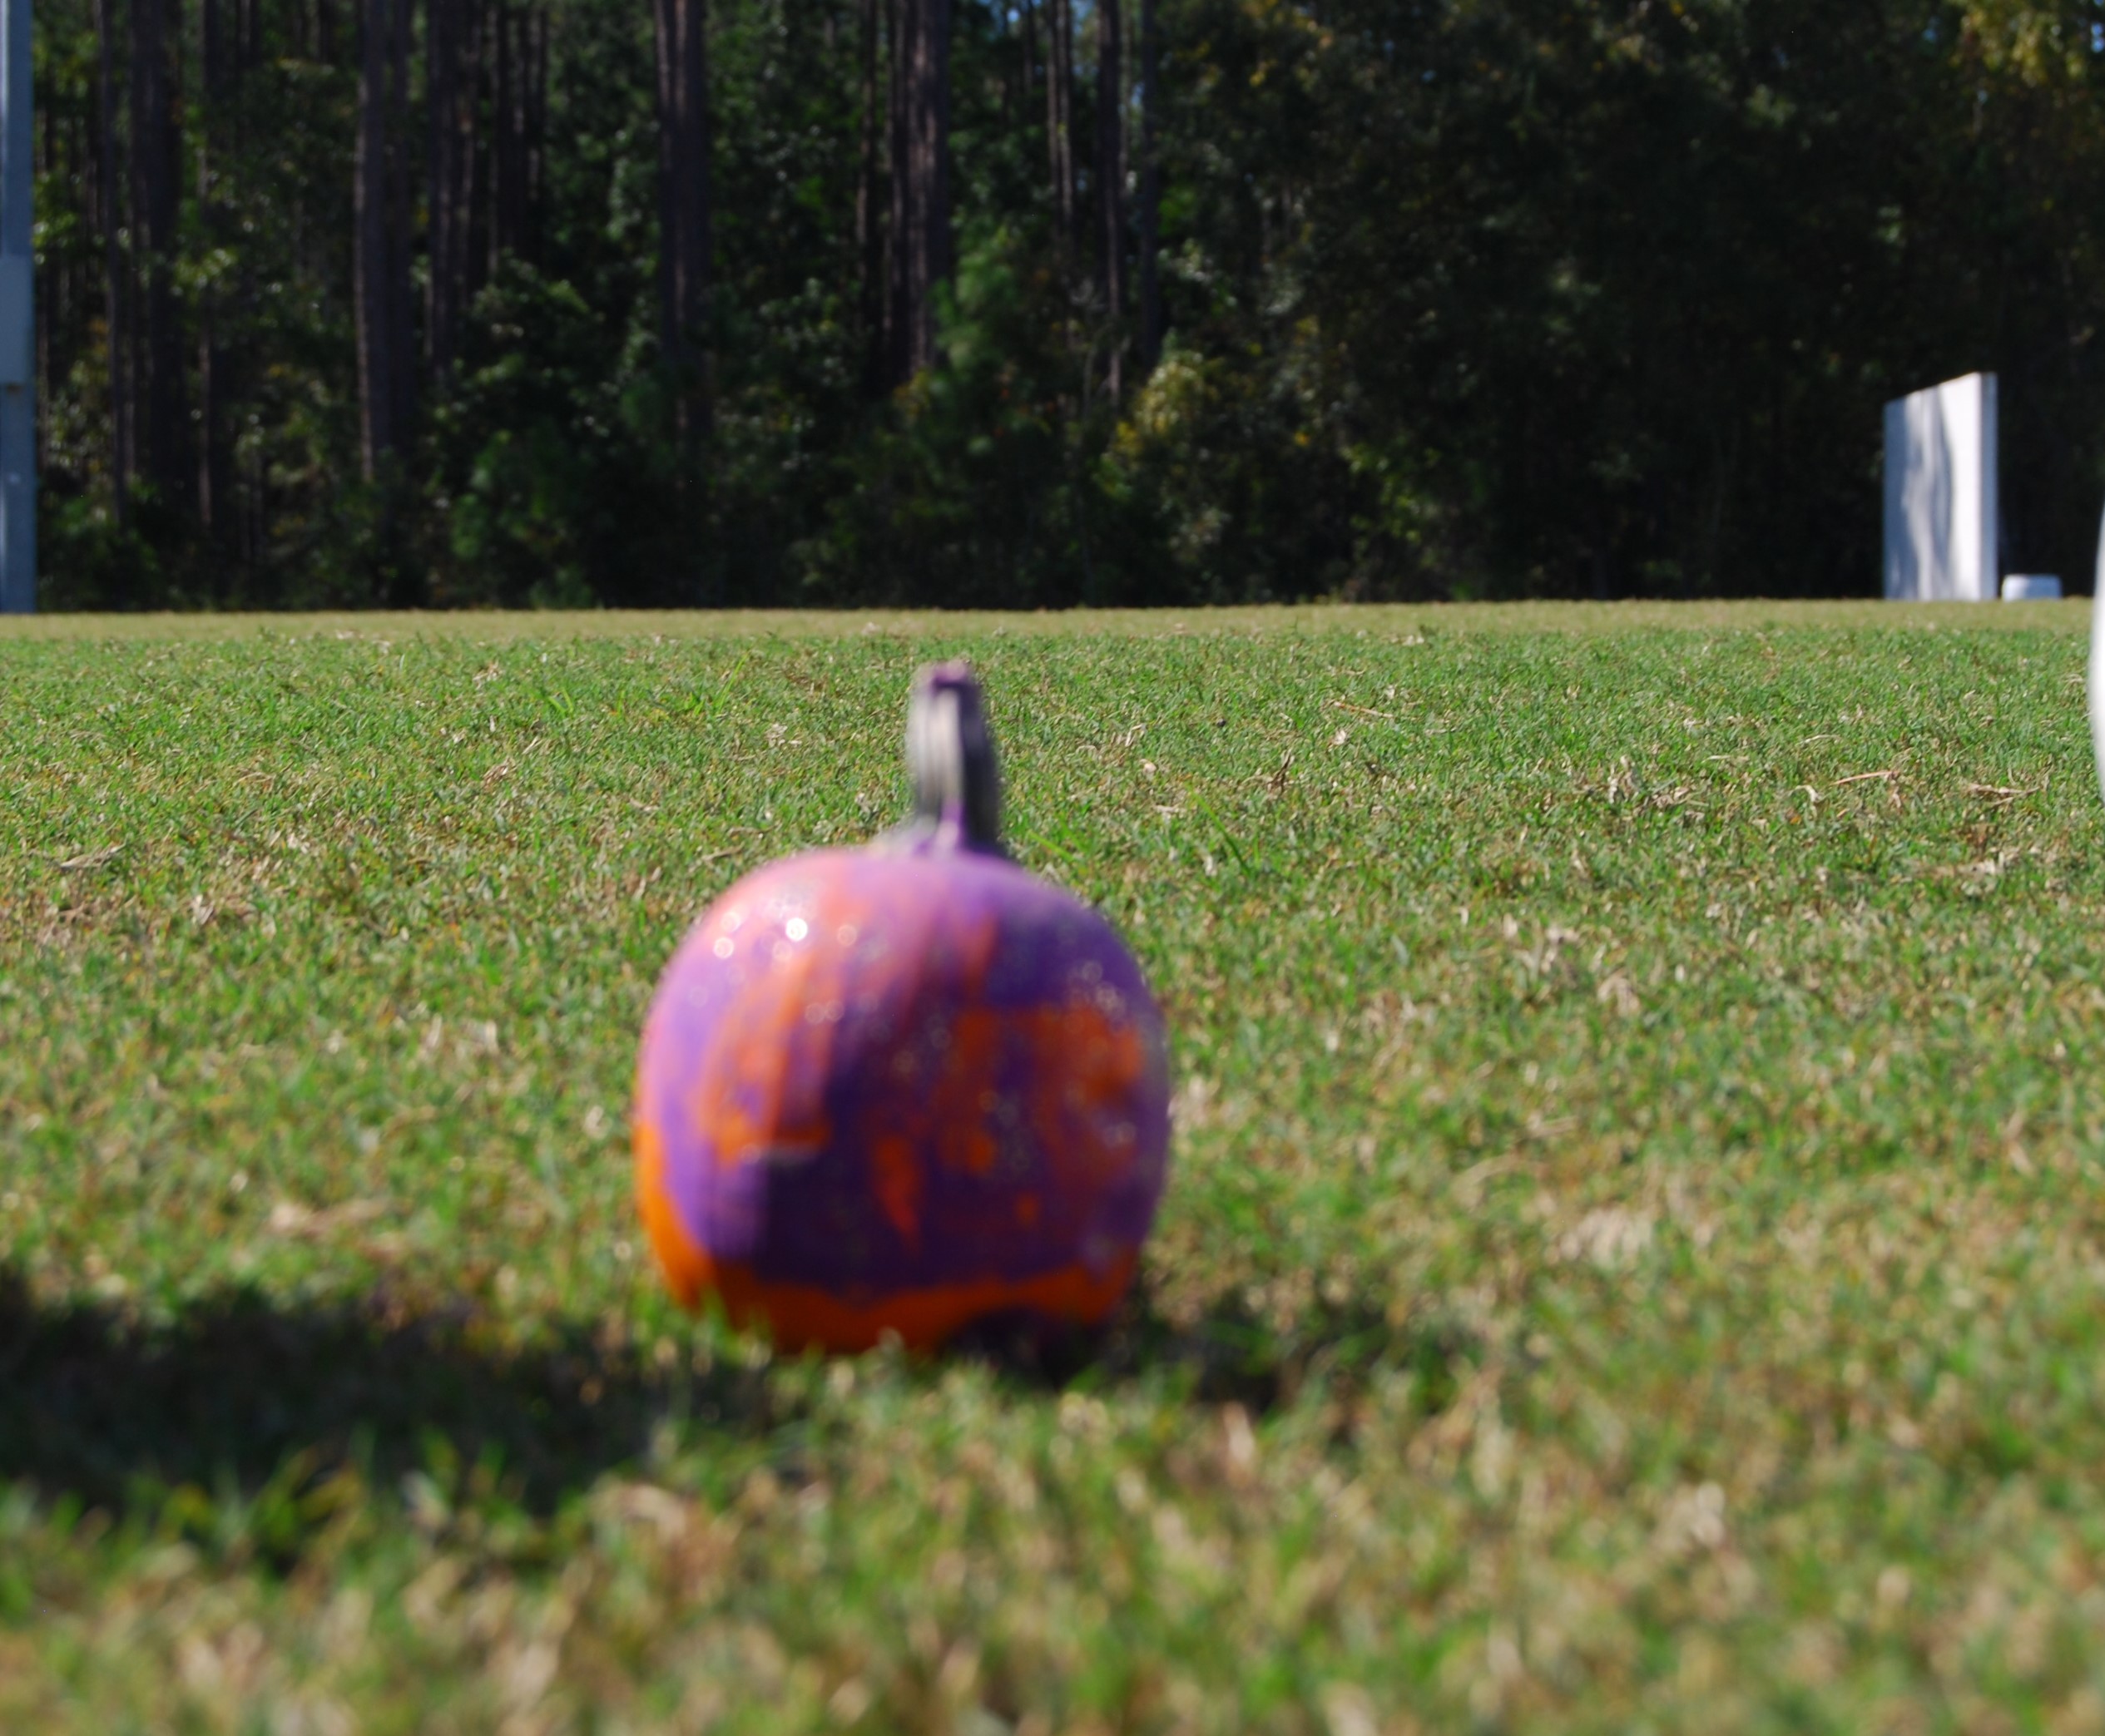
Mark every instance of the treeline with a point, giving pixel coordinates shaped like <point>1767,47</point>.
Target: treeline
<point>1040,302</point>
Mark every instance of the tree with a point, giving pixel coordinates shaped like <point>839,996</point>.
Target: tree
<point>212,445</point>
<point>452,48</point>
<point>1151,191</point>
<point>921,241</point>
<point>1059,120</point>
<point>1110,183</point>
<point>683,203</point>
<point>379,431</point>
<point>111,184</point>
<point>519,103</point>
<point>872,298</point>
<point>156,148</point>
<point>1536,297</point>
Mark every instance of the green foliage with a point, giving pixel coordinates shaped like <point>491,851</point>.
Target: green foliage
<point>1239,477</point>
<point>1632,1253</point>
<point>973,488</point>
<point>1469,297</point>
<point>1610,296</point>
<point>554,442</point>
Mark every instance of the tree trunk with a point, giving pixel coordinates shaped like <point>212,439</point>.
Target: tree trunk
<point>1059,113</point>
<point>478,149</point>
<point>683,202</point>
<point>378,434</point>
<point>242,524</point>
<point>536,133</point>
<point>443,286</point>
<point>869,205</point>
<point>402,217</point>
<point>212,470</point>
<point>1110,181</point>
<point>504,171</point>
<point>920,179</point>
<point>117,299</point>
<point>156,149</point>
<point>1151,191</point>
<point>518,110</point>
<point>898,33</point>
<point>453,59</point>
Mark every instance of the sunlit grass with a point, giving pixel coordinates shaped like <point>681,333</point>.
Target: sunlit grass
<point>1634,1257</point>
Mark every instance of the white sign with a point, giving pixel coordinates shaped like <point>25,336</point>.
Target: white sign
<point>1941,528</point>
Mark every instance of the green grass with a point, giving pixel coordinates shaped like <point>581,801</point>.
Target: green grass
<point>1635,1255</point>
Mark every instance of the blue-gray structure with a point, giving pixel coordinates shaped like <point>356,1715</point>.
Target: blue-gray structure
<point>17,319</point>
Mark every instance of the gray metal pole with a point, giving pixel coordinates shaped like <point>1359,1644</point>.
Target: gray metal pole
<point>17,318</point>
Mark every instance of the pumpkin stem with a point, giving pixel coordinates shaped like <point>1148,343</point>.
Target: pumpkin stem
<point>950,762</point>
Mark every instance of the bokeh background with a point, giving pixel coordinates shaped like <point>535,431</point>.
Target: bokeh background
<point>349,302</point>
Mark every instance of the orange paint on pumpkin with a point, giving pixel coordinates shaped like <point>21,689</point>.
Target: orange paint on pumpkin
<point>801,1316</point>
<point>686,1267</point>
<point>954,1115</point>
<point>898,1188</point>
<point>758,1092</point>
<point>1086,1065</point>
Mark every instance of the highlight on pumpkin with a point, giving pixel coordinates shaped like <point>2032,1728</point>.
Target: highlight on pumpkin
<point>902,1089</point>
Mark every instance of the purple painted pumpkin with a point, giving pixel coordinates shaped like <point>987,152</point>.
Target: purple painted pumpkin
<point>901,1089</point>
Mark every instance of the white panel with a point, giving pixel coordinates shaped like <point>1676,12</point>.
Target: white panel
<point>1941,528</point>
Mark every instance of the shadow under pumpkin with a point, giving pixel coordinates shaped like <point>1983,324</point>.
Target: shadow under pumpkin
<point>238,1393</point>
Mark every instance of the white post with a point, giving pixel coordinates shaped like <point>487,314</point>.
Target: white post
<point>17,318</point>
<point>1942,535</point>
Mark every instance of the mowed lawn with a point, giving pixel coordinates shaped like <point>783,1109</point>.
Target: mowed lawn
<point>1634,1257</point>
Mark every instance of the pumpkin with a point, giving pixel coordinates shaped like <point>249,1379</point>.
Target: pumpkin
<point>904,1089</point>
